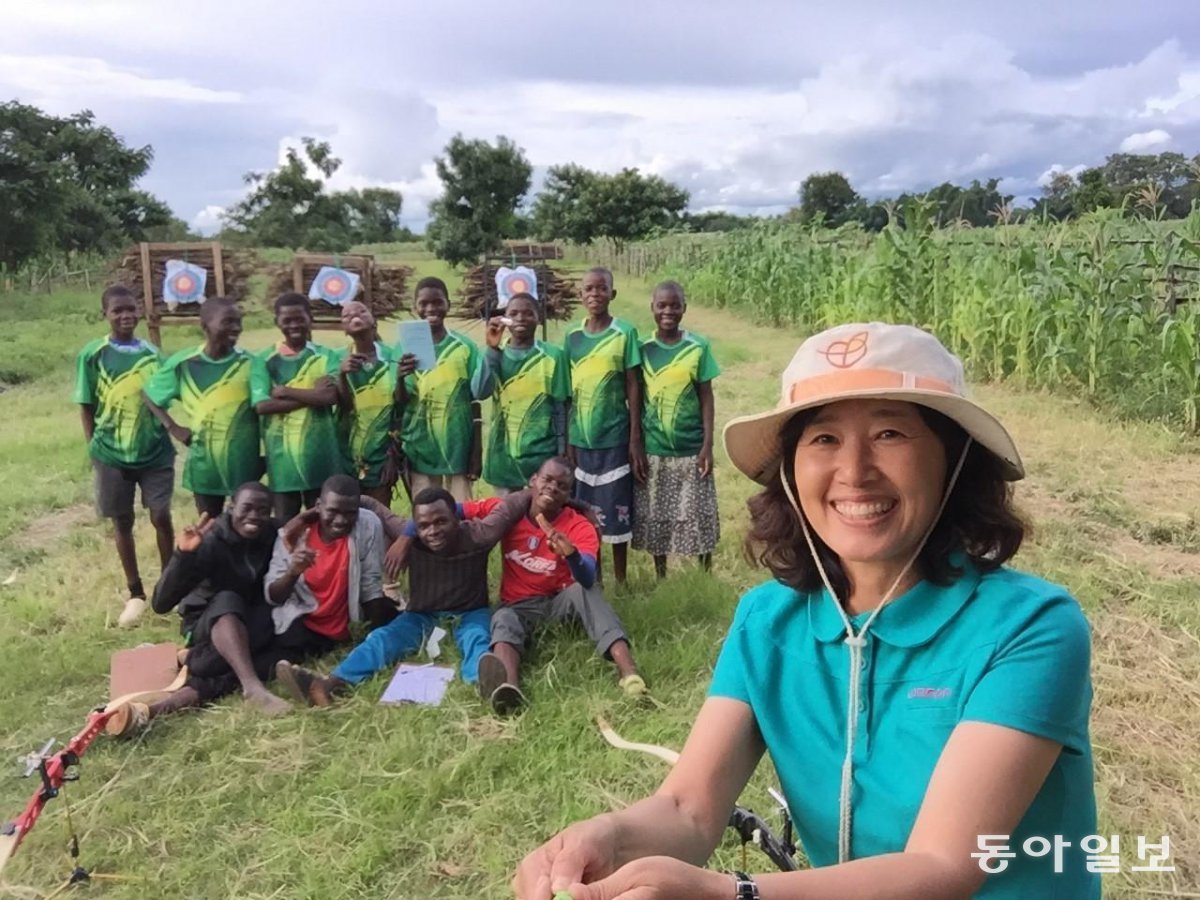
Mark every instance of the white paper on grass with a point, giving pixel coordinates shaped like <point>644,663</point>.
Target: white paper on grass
<point>418,684</point>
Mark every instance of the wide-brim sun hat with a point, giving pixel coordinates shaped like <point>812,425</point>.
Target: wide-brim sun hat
<point>863,361</point>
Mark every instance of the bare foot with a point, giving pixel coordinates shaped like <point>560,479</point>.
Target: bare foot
<point>267,702</point>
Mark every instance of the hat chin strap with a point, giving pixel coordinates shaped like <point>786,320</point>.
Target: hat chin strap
<point>856,642</point>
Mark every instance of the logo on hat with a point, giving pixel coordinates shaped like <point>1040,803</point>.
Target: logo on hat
<point>846,353</point>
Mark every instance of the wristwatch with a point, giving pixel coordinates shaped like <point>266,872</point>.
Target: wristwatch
<point>745,886</point>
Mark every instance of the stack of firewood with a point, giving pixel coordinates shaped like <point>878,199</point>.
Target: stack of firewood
<point>238,266</point>
<point>389,286</point>
<point>477,296</point>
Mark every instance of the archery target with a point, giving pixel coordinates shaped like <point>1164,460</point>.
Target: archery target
<point>183,283</point>
<point>509,282</point>
<point>334,285</point>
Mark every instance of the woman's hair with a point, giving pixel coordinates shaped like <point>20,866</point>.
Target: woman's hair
<point>979,519</point>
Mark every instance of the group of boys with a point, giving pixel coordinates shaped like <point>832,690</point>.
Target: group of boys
<point>253,598</point>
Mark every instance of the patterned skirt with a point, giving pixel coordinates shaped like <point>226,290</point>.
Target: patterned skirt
<point>675,511</point>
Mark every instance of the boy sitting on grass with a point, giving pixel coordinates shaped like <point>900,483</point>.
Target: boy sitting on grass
<point>549,574</point>
<point>212,384</point>
<point>447,564</point>
<point>128,446</point>
<point>215,578</point>
<point>292,388</point>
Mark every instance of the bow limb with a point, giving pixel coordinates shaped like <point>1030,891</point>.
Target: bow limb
<point>666,754</point>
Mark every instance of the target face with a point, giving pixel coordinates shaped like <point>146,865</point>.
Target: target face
<point>510,282</point>
<point>184,282</point>
<point>334,285</point>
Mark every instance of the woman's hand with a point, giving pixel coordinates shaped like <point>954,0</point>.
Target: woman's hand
<point>658,878</point>
<point>582,853</point>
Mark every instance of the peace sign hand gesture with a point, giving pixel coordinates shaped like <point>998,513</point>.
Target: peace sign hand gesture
<point>189,540</point>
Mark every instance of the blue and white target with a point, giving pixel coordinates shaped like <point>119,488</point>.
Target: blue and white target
<point>334,285</point>
<point>510,282</point>
<point>183,283</point>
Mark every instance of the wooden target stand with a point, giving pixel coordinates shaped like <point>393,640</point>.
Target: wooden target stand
<point>202,253</point>
<point>305,267</point>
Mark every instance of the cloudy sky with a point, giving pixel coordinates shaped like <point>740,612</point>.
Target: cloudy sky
<point>736,101</point>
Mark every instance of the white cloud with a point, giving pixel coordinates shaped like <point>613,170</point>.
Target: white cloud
<point>910,99</point>
<point>1057,169</point>
<point>1145,141</point>
<point>208,220</point>
<point>68,82</point>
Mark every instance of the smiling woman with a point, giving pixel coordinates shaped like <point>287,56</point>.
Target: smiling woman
<point>923,705</point>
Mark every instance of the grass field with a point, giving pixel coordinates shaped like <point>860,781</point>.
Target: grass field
<point>362,800</point>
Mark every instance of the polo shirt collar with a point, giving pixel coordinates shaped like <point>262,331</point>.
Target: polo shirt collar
<point>912,619</point>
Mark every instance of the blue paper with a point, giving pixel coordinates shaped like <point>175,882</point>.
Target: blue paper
<point>416,337</point>
<point>418,684</point>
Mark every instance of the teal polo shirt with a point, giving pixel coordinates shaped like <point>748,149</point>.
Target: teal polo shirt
<point>1004,647</point>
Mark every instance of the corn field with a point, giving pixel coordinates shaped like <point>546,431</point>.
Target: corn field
<point>1106,308</point>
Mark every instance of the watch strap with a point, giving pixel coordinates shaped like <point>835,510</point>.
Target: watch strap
<point>746,887</point>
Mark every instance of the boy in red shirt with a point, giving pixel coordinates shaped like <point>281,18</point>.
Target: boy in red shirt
<point>549,574</point>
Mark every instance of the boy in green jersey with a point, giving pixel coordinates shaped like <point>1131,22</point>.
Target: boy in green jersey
<point>366,388</point>
<point>212,384</point>
<point>293,391</point>
<point>532,389</point>
<point>606,414</point>
<point>440,430</point>
<point>675,508</point>
<point>128,446</point>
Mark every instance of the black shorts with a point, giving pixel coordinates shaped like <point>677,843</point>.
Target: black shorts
<point>208,672</point>
<point>115,487</point>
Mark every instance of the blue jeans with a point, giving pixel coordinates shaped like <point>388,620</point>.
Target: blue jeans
<point>405,634</point>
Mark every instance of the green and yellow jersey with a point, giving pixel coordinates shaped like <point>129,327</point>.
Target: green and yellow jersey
<point>110,377</point>
<point>529,383</point>
<point>302,445</point>
<point>671,422</point>
<point>599,413</point>
<point>364,431</point>
<point>214,395</point>
<point>437,428</point>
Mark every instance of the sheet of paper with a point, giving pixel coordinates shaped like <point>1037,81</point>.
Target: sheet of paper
<point>414,336</point>
<point>418,684</point>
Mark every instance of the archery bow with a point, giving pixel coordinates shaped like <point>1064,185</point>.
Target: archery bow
<point>54,770</point>
<point>749,827</point>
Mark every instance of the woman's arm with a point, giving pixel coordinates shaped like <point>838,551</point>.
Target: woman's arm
<point>684,818</point>
<point>985,780</point>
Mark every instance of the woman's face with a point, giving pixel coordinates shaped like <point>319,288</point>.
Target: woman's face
<point>870,476</point>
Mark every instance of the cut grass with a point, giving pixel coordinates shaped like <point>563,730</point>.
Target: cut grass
<point>362,800</point>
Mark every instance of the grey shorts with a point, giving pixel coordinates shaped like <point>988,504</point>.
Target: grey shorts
<point>514,623</point>
<point>115,489</point>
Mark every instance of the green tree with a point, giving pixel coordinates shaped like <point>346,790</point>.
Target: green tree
<point>1092,192</point>
<point>290,206</point>
<point>827,197</point>
<point>560,211</point>
<point>67,184</point>
<point>481,187</point>
<point>579,205</point>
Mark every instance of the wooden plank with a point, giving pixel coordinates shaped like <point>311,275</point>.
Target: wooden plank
<point>297,275</point>
<point>185,246</point>
<point>148,296</point>
<point>179,320</point>
<point>340,260</point>
<point>218,267</point>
